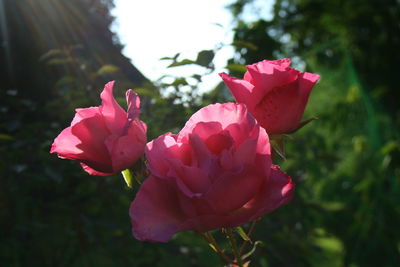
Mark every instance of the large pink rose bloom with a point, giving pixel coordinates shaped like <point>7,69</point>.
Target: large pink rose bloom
<point>274,93</point>
<point>104,139</point>
<point>217,172</point>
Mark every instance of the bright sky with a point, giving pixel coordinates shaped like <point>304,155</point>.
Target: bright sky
<point>153,29</point>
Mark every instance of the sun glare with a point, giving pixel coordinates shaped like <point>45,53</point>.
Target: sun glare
<point>151,30</point>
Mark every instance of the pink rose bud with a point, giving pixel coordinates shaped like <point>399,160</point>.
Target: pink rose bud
<point>274,93</point>
<point>104,139</point>
<point>217,172</point>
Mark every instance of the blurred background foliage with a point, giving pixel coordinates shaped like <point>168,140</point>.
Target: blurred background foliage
<point>57,55</point>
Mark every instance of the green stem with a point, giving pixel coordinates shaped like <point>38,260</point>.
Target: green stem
<point>249,234</point>
<point>232,241</point>
<point>208,237</point>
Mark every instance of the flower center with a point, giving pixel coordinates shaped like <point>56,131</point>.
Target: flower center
<point>216,143</point>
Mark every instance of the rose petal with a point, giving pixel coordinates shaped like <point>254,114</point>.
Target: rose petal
<point>133,101</point>
<point>156,151</point>
<point>226,160</point>
<point>225,114</point>
<point>84,141</point>
<point>306,82</point>
<point>127,149</point>
<point>114,116</point>
<point>281,109</point>
<point>242,90</point>
<point>216,143</point>
<point>209,120</point>
<point>243,130</point>
<point>267,76</point>
<point>155,212</point>
<point>203,130</point>
<point>263,145</point>
<point>276,192</point>
<point>92,171</point>
<point>284,63</point>
<point>246,152</point>
<point>92,133</point>
<point>191,180</point>
<point>65,145</point>
<point>247,77</point>
<point>232,190</point>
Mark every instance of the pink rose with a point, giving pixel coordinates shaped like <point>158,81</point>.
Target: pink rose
<point>217,172</point>
<point>104,139</point>
<point>274,93</point>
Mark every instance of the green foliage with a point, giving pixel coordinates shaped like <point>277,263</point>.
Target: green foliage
<point>52,213</point>
<point>346,164</point>
<point>345,212</point>
<point>204,59</point>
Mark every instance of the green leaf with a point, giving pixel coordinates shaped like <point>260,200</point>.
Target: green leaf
<point>58,61</point>
<point>390,147</point>
<point>240,43</point>
<point>176,56</point>
<point>146,92</point>
<point>205,57</point>
<point>166,58</point>
<point>107,69</point>
<point>236,68</point>
<point>6,137</point>
<point>218,24</point>
<point>181,63</point>
<point>51,53</point>
<point>197,77</point>
<point>353,94</point>
<point>179,81</point>
<point>171,58</point>
<point>333,206</point>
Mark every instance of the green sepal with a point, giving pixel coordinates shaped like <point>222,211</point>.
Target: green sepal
<point>127,174</point>
<point>302,124</point>
<point>278,144</point>
<point>242,234</point>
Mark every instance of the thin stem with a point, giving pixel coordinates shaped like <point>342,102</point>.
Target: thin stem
<point>137,178</point>
<point>249,234</point>
<point>208,237</point>
<point>232,241</point>
<point>220,251</point>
